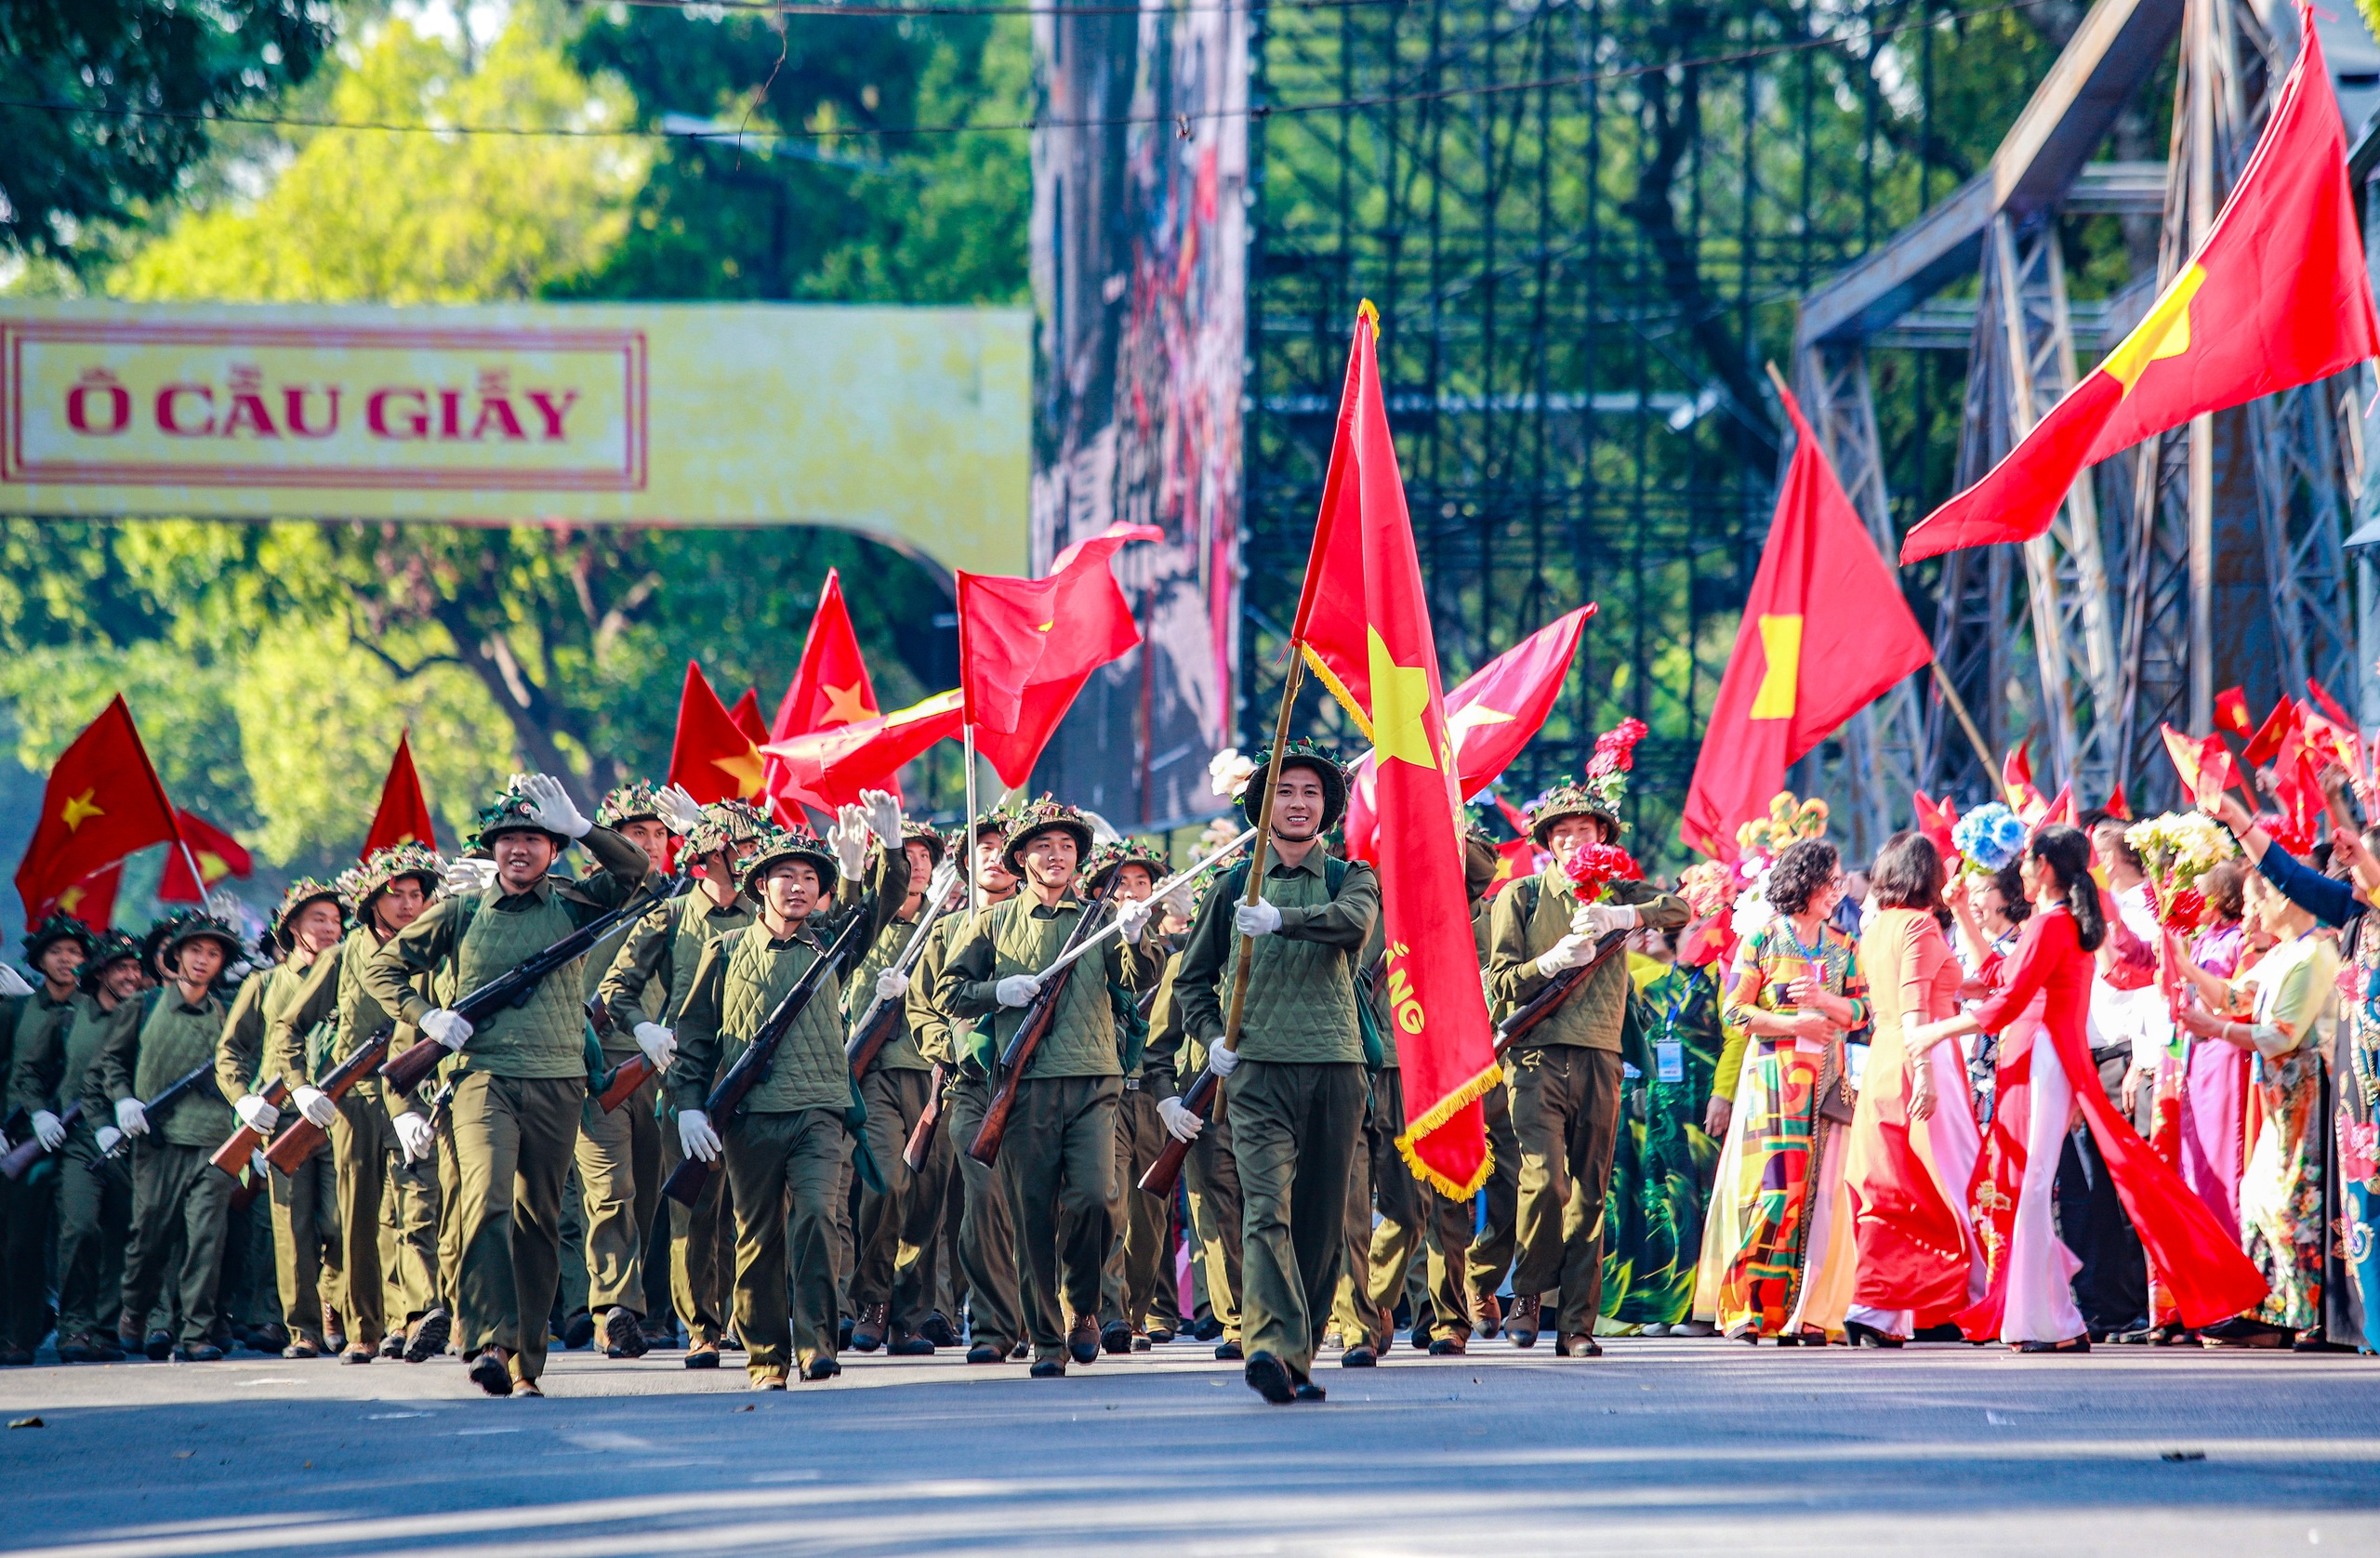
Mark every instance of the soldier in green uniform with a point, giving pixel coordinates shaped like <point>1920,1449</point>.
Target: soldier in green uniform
<point>1562,1076</point>
<point>892,1297</point>
<point>647,984</point>
<point>31,1024</point>
<point>1058,1155</point>
<point>1134,868</point>
<point>178,1197</point>
<point>1294,1085</point>
<point>986,1242</point>
<point>256,1046</point>
<point>520,1077</point>
<point>784,1151</point>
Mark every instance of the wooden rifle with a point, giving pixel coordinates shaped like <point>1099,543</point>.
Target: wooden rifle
<point>621,1082</point>
<point>877,1024</point>
<point>30,1150</point>
<point>302,1136</point>
<point>921,1142</point>
<point>1538,1007</point>
<point>1031,1028</point>
<point>237,1148</point>
<point>170,1094</point>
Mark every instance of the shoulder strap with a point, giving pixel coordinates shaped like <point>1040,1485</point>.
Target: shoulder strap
<point>1334,873</point>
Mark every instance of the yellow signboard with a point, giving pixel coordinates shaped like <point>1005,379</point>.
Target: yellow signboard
<point>907,425</point>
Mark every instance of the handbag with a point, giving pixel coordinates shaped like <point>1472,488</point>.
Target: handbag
<point>1837,1103</point>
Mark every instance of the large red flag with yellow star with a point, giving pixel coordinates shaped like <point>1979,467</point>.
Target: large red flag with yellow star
<point>830,687</point>
<point>103,802</point>
<point>712,758</point>
<point>2275,298</point>
<point>1363,626</point>
<point>1824,631</point>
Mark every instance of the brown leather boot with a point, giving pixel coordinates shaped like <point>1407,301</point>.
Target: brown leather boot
<point>1521,1329</point>
<point>1487,1314</point>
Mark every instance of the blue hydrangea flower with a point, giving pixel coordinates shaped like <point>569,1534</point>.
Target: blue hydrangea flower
<point>1991,836</point>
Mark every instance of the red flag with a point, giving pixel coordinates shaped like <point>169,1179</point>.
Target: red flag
<point>1516,856</point>
<point>1018,675</point>
<point>710,757</point>
<point>217,853</point>
<point>103,802</point>
<point>1936,820</point>
<point>2231,712</point>
<point>831,687</point>
<point>2266,743</point>
<point>834,765</point>
<point>1498,710</point>
<point>1823,600</point>
<point>92,900</point>
<point>402,816</point>
<point>2118,807</point>
<point>746,715</point>
<point>2329,705</point>
<point>1362,623</point>
<point>2275,298</point>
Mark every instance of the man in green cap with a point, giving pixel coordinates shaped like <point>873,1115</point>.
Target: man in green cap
<point>32,1022</point>
<point>520,1075</point>
<point>892,1302</point>
<point>785,1150</point>
<point>1294,1083</point>
<point>1059,1153</point>
<point>1563,1076</point>
<point>257,1046</point>
<point>1130,870</point>
<point>644,989</point>
<point>178,1197</point>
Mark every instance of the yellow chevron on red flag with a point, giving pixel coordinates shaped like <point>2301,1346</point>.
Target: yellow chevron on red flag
<point>1363,626</point>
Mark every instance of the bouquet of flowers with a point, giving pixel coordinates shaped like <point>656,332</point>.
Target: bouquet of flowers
<point>2178,849</point>
<point>1708,887</point>
<point>1989,837</point>
<point>1789,822</point>
<point>1228,772</point>
<point>1597,867</point>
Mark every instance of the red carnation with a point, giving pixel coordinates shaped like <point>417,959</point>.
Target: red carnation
<point>1616,749</point>
<point>2186,913</point>
<point>1597,866</point>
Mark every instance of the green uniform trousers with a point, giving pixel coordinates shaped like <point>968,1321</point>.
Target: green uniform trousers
<point>24,1277</point>
<point>1055,1165</point>
<point>308,1250</point>
<point>986,1226</point>
<point>702,1248</point>
<point>388,1220</point>
<point>570,1290</point>
<point>1490,1253</point>
<point>94,1220</point>
<point>1136,1258</point>
<point>179,1204</point>
<point>450,1222</point>
<point>1294,1133</point>
<point>1211,1175</point>
<point>244,1294</point>
<point>893,1232</point>
<point>619,1177</point>
<point>1413,1218</point>
<point>1565,1111</point>
<point>785,1168</point>
<point>512,1144</point>
<point>410,1204</point>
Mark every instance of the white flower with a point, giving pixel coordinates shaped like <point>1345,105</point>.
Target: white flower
<point>1228,772</point>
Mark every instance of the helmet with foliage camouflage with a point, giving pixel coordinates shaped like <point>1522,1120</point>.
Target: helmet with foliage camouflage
<point>1045,816</point>
<point>305,891</point>
<point>1599,795</point>
<point>636,801</point>
<point>111,946</point>
<point>178,931</point>
<point>384,867</point>
<point>1108,858</point>
<point>1300,753</point>
<point>725,824</point>
<point>790,843</point>
<point>512,811</point>
<point>55,928</point>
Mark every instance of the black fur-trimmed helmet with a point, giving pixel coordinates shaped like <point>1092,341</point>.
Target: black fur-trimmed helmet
<point>1300,753</point>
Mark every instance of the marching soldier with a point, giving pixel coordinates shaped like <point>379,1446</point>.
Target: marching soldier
<point>35,1026</point>
<point>646,986</point>
<point>1129,1286</point>
<point>180,1199</point>
<point>784,1152</point>
<point>520,1077</point>
<point>1294,1087</point>
<point>1563,1076</point>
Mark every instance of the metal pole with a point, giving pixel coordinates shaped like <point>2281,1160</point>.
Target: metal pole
<point>974,893</point>
<point>2201,451</point>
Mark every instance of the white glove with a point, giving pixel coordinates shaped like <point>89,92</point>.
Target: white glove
<point>1599,920</point>
<point>260,1166</point>
<point>1180,1121</point>
<point>318,1106</point>
<point>414,1136</point>
<point>48,1129</point>
<point>130,1118</point>
<point>551,807</point>
<point>696,1137</point>
<point>1567,953</point>
<point>848,839</point>
<point>12,982</point>
<point>1132,919</point>
<point>469,874</point>
<point>257,1114</point>
<point>680,811</point>
<point>1258,918</point>
<point>108,1137</point>
<point>892,985</point>
<point>1222,1061</point>
<point>659,1044</point>
<point>449,1028</point>
<point>1017,990</point>
<point>883,813</point>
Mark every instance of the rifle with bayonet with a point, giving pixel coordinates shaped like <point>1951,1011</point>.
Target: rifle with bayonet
<point>882,1019</point>
<point>751,1068</point>
<point>516,985</point>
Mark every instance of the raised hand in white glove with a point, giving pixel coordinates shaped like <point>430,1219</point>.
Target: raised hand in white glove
<point>1180,1121</point>
<point>318,1106</point>
<point>552,808</point>
<point>1132,919</point>
<point>1222,1061</point>
<point>49,1130</point>
<point>469,874</point>
<point>1601,920</point>
<point>659,1044</point>
<point>1565,954</point>
<point>892,985</point>
<point>257,1114</point>
<point>1016,990</point>
<point>848,839</point>
<point>130,1118</point>
<point>108,1136</point>
<point>1258,918</point>
<point>882,810</point>
<point>449,1028</point>
<point>12,982</point>
<point>695,1136</point>
<point>414,1136</point>
<point>678,809</point>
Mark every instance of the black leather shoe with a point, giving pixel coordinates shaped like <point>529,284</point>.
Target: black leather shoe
<point>2071,1344</point>
<point>1309,1391</point>
<point>1862,1334</point>
<point>938,1330</point>
<point>1269,1378</point>
<point>1208,1330</point>
<point>17,1357</point>
<point>1048,1368</point>
<point>1160,1336</point>
<point>204,1352</point>
<point>426,1338</point>
<point>1578,1346</point>
<point>703,1354</point>
<point>578,1331</point>
<point>1116,1337</point>
<point>1449,1346</point>
<point>159,1347</point>
<point>986,1352</point>
<point>821,1366</point>
<point>1227,1352</point>
<point>909,1347</point>
<point>1359,1356</point>
<point>843,1332</point>
<point>489,1373</point>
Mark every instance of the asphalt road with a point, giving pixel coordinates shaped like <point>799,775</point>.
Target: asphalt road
<point>1660,1447</point>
